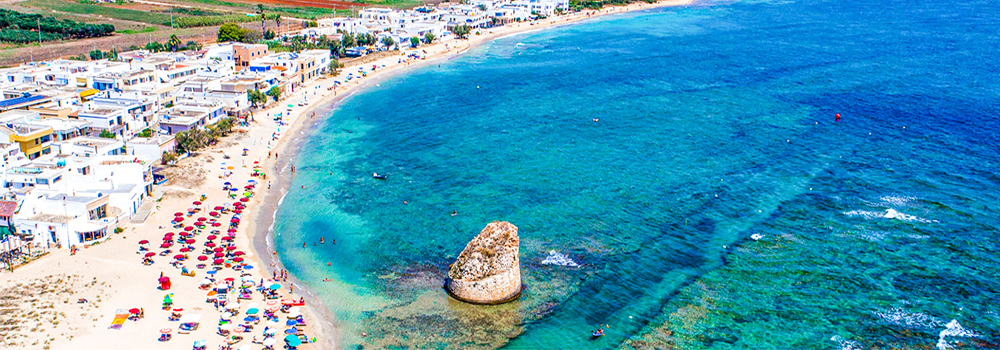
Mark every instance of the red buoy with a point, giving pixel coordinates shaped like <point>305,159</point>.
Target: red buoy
<point>838,117</point>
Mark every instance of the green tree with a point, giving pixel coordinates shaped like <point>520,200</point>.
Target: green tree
<point>256,97</point>
<point>147,132</point>
<point>347,41</point>
<point>275,93</point>
<point>96,54</point>
<point>174,43</point>
<point>106,134</point>
<point>336,49</point>
<point>388,42</point>
<point>154,46</point>
<point>224,125</point>
<point>263,21</point>
<point>277,21</point>
<point>333,68</point>
<point>168,158</point>
<point>193,45</point>
<point>429,37</point>
<point>461,31</point>
<point>230,32</point>
<point>414,42</point>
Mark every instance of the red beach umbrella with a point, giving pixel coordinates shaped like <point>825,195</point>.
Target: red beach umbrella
<point>165,245</point>
<point>178,219</point>
<point>238,253</point>
<point>189,228</point>
<point>144,241</point>
<point>219,249</point>
<point>238,259</point>
<point>166,330</point>
<point>196,203</point>
<point>210,244</point>
<point>219,255</point>
<point>232,230</point>
<point>185,250</point>
<point>231,248</point>
<point>216,224</point>
<point>133,310</point>
<point>218,261</point>
<point>211,237</point>
<point>178,214</point>
<point>230,279</point>
<point>189,241</point>
<point>150,254</point>
<point>202,218</point>
<point>235,220</point>
<point>179,256</point>
<point>202,258</point>
<point>168,234</point>
<point>227,238</point>
<point>244,199</point>
<point>218,208</point>
<point>213,213</point>
<point>238,211</point>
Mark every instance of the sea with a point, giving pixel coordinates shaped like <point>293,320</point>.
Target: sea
<point>679,178</point>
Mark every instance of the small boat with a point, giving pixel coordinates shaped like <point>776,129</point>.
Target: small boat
<point>377,176</point>
<point>598,333</point>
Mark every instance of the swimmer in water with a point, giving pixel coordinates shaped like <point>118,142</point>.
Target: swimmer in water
<point>303,244</point>
<point>454,212</point>
<point>321,240</point>
<point>328,264</point>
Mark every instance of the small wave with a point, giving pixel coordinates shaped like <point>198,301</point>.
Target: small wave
<point>756,236</point>
<point>893,214</point>
<point>846,344</point>
<point>953,329</point>
<point>555,258</point>
<point>897,201</point>
<point>900,317</point>
<point>887,214</point>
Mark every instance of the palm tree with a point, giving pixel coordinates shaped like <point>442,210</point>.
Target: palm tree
<point>174,42</point>
<point>263,20</point>
<point>277,20</point>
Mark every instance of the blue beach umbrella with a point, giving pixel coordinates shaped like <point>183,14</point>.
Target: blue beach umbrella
<point>291,322</point>
<point>274,286</point>
<point>252,311</point>
<point>291,331</point>
<point>199,343</point>
<point>292,340</point>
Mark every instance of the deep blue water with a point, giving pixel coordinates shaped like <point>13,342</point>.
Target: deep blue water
<point>715,204</point>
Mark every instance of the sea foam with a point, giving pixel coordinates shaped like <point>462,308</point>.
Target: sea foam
<point>887,214</point>
<point>899,317</point>
<point>555,258</point>
<point>953,329</point>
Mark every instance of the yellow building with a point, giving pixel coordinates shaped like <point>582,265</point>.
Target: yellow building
<point>33,139</point>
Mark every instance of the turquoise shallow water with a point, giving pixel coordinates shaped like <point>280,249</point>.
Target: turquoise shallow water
<point>716,204</point>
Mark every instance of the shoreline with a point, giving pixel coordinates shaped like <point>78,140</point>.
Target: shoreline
<point>261,233</point>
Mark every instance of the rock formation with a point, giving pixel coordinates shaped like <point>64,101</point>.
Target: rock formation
<point>488,271</point>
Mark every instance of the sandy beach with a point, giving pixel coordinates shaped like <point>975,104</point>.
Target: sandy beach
<point>111,276</point>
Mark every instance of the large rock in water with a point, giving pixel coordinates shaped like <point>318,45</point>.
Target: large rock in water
<point>488,271</point>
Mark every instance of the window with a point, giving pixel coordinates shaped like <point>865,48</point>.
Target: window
<point>42,181</point>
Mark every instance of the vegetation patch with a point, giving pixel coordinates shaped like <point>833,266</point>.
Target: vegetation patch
<point>16,27</point>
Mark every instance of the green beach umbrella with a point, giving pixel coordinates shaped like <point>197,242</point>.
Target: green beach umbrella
<point>274,286</point>
<point>289,105</point>
<point>252,311</point>
<point>293,340</point>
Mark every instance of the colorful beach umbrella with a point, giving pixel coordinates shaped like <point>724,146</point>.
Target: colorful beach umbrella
<point>202,258</point>
<point>238,211</point>
<point>165,245</point>
<point>211,237</point>
<point>185,250</point>
<point>189,241</point>
<point>196,203</point>
<point>202,218</point>
<point>150,254</point>
<point>179,256</point>
<point>216,224</point>
<point>189,228</point>
<point>144,241</point>
<point>238,253</point>
<point>210,244</point>
<point>219,207</point>
<point>219,255</point>
<point>218,261</point>
<point>238,259</point>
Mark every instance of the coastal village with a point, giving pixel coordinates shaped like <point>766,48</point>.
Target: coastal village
<point>134,187</point>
